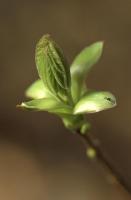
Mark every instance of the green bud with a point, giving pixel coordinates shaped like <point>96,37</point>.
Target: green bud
<point>85,127</point>
<point>91,153</point>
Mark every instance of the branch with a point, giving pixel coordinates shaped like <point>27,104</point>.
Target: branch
<point>90,142</point>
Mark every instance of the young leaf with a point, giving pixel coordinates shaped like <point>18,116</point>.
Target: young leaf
<point>47,104</point>
<point>95,101</point>
<point>82,65</point>
<point>37,90</point>
<point>52,67</point>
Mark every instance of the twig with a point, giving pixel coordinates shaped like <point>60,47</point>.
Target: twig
<point>116,176</point>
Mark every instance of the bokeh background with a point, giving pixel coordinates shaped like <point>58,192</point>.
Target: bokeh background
<point>39,158</point>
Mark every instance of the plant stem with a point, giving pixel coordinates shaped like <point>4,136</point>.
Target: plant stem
<point>90,142</point>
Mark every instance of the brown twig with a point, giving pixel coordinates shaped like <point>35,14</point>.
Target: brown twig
<point>117,178</point>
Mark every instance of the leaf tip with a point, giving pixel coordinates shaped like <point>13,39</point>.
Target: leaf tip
<point>21,106</point>
<point>100,44</point>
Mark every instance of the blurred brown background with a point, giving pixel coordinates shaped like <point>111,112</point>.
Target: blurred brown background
<point>39,159</point>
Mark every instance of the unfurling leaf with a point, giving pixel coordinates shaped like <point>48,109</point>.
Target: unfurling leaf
<point>52,67</point>
<point>82,65</point>
<point>37,90</point>
<point>47,104</point>
<point>95,101</point>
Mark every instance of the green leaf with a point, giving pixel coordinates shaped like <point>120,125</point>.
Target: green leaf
<point>95,101</point>
<point>37,90</point>
<point>82,65</point>
<point>47,104</point>
<point>87,58</point>
<point>52,67</point>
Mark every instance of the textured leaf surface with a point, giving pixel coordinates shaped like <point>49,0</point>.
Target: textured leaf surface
<point>82,65</point>
<point>95,101</point>
<point>52,66</point>
<point>37,90</point>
